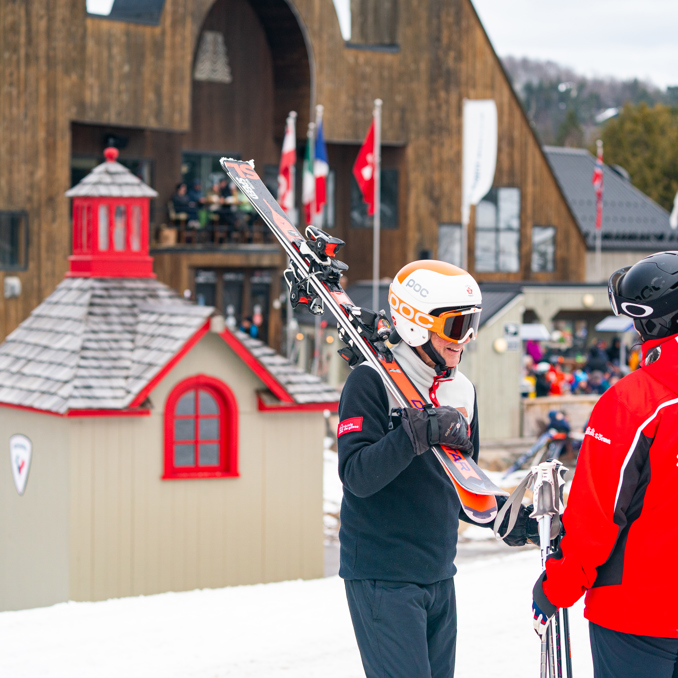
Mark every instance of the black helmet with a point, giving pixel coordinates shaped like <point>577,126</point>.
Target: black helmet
<point>648,293</point>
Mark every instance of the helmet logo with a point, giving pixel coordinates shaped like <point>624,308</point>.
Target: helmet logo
<point>636,310</point>
<point>417,287</point>
<point>469,290</point>
<point>409,313</point>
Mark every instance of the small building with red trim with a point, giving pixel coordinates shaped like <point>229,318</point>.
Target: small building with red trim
<point>152,449</point>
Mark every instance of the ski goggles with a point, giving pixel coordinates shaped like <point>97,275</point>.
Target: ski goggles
<point>632,307</point>
<point>457,326</point>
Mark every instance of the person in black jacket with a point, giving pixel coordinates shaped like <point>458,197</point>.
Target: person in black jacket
<point>400,512</point>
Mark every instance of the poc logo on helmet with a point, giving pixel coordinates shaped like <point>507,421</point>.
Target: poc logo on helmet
<point>409,313</point>
<point>417,287</point>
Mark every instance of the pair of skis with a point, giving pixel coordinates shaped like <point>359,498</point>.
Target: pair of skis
<point>313,279</point>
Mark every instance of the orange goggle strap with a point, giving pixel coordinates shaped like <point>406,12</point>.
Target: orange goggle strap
<point>434,323</point>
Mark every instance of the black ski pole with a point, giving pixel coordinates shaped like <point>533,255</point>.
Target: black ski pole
<point>559,640</point>
<point>568,647</point>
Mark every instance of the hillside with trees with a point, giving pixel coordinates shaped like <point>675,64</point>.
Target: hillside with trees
<point>637,121</point>
<point>567,108</point>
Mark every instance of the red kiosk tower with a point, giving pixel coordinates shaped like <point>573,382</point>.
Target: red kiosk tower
<point>110,223</point>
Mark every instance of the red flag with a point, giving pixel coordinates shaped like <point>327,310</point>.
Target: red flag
<point>597,181</point>
<point>363,170</point>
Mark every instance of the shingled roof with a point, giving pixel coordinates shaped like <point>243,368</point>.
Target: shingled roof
<point>631,220</point>
<point>95,343</point>
<point>289,384</point>
<point>111,179</point>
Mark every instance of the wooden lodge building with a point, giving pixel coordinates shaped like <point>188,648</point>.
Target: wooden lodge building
<point>175,84</point>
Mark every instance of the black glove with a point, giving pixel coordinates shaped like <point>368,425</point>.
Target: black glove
<point>436,425</point>
<point>526,528</point>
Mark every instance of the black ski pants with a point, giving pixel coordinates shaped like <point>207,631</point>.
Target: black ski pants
<point>624,655</point>
<point>404,630</point>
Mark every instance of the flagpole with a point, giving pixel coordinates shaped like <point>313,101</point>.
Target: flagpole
<point>310,140</point>
<point>377,204</point>
<point>599,221</point>
<point>319,109</point>
<point>293,170</point>
<point>295,216</point>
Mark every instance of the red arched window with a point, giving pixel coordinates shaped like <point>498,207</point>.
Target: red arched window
<point>201,430</point>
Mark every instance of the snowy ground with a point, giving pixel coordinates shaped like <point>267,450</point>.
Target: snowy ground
<point>296,629</point>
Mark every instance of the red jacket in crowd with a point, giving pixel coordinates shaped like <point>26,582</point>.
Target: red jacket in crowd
<point>621,520</point>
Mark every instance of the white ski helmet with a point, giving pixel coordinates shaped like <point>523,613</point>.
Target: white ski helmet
<point>433,296</point>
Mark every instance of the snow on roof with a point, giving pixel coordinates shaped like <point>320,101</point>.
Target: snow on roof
<point>111,179</point>
<point>95,343</point>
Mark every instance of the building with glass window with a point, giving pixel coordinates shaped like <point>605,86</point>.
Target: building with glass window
<point>152,448</point>
<point>175,84</point>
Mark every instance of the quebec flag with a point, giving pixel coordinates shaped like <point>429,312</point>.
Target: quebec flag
<point>321,169</point>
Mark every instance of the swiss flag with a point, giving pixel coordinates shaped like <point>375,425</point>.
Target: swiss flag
<point>363,170</point>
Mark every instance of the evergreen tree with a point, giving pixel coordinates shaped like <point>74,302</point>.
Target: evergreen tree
<point>570,132</point>
<point>644,141</point>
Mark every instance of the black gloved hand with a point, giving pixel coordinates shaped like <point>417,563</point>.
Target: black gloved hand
<point>526,528</point>
<point>436,425</point>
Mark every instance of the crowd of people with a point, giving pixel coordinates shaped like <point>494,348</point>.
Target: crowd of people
<point>550,373</point>
<point>223,205</point>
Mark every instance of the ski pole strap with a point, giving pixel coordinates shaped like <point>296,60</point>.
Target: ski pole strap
<point>513,503</point>
<point>434,428</point>
<point>547,481</point>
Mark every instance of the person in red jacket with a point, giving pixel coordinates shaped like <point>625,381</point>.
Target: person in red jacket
<point>621,541</point>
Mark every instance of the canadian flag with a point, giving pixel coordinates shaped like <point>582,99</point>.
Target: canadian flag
<point>288,160</point>
<point>363,170</point>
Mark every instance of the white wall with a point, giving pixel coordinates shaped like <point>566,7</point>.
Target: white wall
<point>496,376</point>
<point>611,262</point>
<point>34,529</point>
<point>134,533</point>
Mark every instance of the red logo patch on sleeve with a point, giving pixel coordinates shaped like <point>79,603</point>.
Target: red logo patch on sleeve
<point>350,425</point>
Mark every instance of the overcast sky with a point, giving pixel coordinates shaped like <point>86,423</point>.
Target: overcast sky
<point>623,38</point>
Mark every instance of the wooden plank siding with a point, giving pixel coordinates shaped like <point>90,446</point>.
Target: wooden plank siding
<point>60,67</point>
<point>133,533</point>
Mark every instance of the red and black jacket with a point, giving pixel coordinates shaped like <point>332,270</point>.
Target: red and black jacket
<point>621,544</point>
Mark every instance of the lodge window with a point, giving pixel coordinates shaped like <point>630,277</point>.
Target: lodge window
<point>389,202</point>
<point>449,243</point>
<point>130,11</point>
<point>13,240</point>
<point>543,249</point>
<point>368,24</point>
<point>498,231</point>
<point>201,430</point>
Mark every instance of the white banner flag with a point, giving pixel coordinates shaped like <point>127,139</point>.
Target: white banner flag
<point>479,152</point>
<point>673,219</point>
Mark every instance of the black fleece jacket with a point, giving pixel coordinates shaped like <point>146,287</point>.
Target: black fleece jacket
<point>400,513</point>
